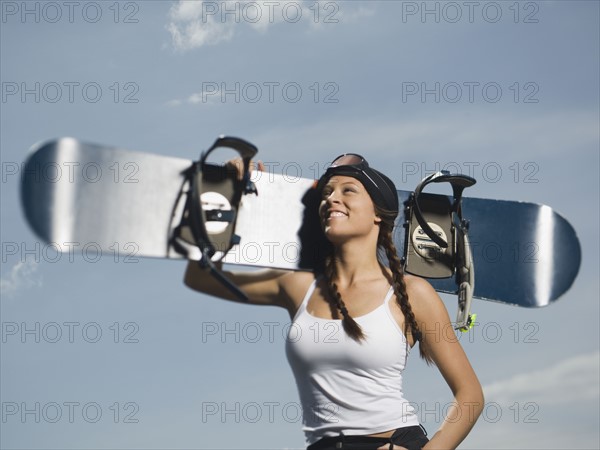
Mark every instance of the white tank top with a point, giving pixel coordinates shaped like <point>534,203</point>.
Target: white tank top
<point>345,386</point>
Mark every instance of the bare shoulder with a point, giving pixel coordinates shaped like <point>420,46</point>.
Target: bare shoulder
<point>424,300</point>
<point>419,289</point>
<point>295,285</point>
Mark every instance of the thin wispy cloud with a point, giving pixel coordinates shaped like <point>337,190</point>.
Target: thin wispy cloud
<point>190,29</point>
<point>209,97</point>
<point>570,381</point>
<point>20,277</point>
<point>196,24</point>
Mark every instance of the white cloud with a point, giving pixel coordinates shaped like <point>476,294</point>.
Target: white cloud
<point>21,276</point>
<point>570,381</point>
<point>208,97</point>
<point>187,33</point>
<point>195,98</point>
<point>196,24</point>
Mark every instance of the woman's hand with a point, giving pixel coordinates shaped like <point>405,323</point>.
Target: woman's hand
<point>237,164</point>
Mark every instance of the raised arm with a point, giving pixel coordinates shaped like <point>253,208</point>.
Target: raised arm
<point>263,287</point>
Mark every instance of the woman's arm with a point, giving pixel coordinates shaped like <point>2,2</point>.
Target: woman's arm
<point>263,287</point>
<point>450,358</point>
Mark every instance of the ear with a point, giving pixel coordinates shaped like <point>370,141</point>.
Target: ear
<point>377,219</point>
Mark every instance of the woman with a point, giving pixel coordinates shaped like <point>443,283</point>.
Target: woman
<point>359,320</point>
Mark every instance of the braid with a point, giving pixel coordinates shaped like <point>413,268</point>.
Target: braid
<point>410,322</point>
<point>350,326</point>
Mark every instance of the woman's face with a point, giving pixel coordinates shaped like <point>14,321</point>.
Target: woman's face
<point>346,209</point>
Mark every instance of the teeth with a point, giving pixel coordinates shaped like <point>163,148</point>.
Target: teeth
<point>336,214</point>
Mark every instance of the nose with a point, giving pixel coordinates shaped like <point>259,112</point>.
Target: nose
<point>332,198</point>
<point>328,202</point>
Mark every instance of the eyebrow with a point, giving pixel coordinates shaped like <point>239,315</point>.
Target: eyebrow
<point>353,182</point>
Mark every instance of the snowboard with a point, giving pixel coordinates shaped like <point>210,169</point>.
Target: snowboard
<point>93,198</point>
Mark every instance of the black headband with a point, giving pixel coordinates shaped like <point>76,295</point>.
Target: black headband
<point>380,188</point>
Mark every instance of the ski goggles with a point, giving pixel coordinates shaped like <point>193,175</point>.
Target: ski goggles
<point>381,189</point>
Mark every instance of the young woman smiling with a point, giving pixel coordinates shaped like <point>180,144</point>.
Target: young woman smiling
<point>350,380</point>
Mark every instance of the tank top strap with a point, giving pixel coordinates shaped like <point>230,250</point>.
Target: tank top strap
<point>389,295</point>
<point>309,292</point>
<point>307,296</point>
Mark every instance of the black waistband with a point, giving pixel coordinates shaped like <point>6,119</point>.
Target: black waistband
<point>348,442</point>
<point>340,442</point>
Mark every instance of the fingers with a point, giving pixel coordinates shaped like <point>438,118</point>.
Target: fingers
<point>257,166</point>
<point>238,165</point>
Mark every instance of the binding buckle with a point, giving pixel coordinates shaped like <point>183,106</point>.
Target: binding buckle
<point>214,192</point>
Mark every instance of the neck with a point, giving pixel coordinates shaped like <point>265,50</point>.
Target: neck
<point>355,262</point>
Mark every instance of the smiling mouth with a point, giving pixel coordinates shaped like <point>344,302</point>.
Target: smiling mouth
<point>333,214</point>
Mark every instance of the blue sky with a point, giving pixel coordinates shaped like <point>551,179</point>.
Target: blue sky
<point>110,354</point>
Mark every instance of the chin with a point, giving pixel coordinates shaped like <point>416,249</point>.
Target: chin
<point>335,235</point>
<point>330,234</point>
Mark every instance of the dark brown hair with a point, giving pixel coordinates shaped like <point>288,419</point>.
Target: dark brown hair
<point>385,243</point>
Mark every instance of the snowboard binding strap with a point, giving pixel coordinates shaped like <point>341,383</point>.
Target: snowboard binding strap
<point>458,183</point>
<point>445,250</point>
<point>206,231</point>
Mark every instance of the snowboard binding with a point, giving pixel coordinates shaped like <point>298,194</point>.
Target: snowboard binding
<point>210,199</point>
<point>437,240</point>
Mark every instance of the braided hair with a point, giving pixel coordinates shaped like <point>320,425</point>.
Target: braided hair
<point>385,243</point>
